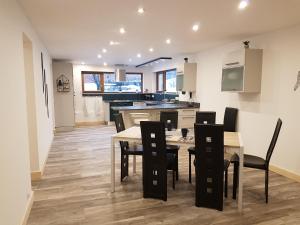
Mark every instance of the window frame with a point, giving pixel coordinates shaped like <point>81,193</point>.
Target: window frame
<point>101,74</point>
<point>164,72</point>
<point>142,80</point>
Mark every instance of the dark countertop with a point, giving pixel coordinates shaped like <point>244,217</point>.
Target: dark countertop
<point>156,107</point>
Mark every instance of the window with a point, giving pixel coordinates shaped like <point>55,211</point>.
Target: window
<point>105,82</point>
<point>109,82</point>
<point>91,82</point>
<point>134,82</point>
<point>166,80</point>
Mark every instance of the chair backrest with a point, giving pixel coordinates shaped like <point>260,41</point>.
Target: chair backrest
<point>120,127</point>
<point>273,141</point>
<point>123,144</point>
<point>230,118</point>
<point>206,117</point>
<point>209,164</point>
<point>154,160</point>
<point>169,115</point>
<point>119,122</point>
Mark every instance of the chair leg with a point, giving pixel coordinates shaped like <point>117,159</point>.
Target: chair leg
<point>177,174</point>
<point>190,169</point>
<point>267,184</point>
<point>174,177</point>
<point>235,179</point>
<point>124,165</point>
<point>226,183</point>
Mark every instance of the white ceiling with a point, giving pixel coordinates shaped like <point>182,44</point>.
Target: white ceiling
<point>77,30</point>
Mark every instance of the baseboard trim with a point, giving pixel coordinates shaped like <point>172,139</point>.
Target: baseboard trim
<point>285,173</point>
<point>91,123</point>
<point>36,175</point>
<point>63,129</point>
<point>28,209</point>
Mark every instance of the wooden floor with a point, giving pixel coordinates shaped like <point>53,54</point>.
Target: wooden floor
<point>75,189</point>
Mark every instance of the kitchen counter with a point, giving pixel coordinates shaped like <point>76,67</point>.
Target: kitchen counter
<point>164,106</point>
<point>132,115</point>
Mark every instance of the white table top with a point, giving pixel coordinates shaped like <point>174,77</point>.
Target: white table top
<point>231,139</point>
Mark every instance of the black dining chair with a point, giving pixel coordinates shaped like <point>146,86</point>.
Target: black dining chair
<point>230,119</point>
<point>156,160</point>
<point>256,162</point>
<point>204,117</point>
<point>126,150</point>
<point>170,118</point>
<point>230,124</point>
<point>209,165</point>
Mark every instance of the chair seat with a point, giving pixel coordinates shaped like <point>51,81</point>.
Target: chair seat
<point>172,148</point>
<point>250,161</point>
<point>171,161</point>
<point>254,162</point>
<point>134,150</point>
<point>192,150</point>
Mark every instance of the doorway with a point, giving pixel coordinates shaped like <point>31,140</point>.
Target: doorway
<point>30,104</point>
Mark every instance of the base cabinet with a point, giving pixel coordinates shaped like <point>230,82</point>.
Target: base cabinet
<point>186,118</point>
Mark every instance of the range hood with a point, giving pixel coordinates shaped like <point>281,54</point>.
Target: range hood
<point>120,75</point>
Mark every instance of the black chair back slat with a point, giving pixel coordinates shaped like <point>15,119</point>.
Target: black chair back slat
<point>154,160</point>
<point>206,117</point>
<point>123,144</point>
<point>230,118</point>
<point>273,141</point>
<point>169,115</point>
<point>209,163</point>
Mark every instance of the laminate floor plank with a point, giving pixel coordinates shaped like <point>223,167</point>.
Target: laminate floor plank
<point>75,190</point>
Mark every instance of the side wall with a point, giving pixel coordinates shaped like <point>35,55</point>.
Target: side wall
<point>63,101</point>
<point>16,191</point>
<point>259,112</point>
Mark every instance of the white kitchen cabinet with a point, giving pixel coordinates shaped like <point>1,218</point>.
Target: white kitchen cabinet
<point>186,78</point>
<point>187,117</point>
<point>242,71</point>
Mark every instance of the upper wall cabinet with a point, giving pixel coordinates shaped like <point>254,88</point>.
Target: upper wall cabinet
<point>186,78</point>
<point>242,71</point>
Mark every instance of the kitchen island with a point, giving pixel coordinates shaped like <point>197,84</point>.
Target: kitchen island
<point>133,114</point>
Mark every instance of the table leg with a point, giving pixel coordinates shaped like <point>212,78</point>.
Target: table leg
<point>240,187</point>
<point>134,165</point>
<point>112,165</point>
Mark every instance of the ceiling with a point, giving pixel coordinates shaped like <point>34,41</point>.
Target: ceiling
<point>77,30</point>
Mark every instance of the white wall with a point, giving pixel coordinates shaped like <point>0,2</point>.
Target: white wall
<point>14,154</point>
<point>91,109</point>
<point>63,101</point>
<point>259,112</point>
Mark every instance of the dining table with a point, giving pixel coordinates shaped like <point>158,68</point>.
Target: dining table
<point>232,144</point>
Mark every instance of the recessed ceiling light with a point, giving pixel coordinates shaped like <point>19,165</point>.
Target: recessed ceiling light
<point>104,64</point>
<point>168,41</point>
<point>139,55</point>
<point>99,56</point>
<point>122,30</point>
<point>195,27</point>
<point>114,43</point>
<point>141,10</point>
<point>243,4</point>
<point>104,50</point>
<point>151,49</point>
